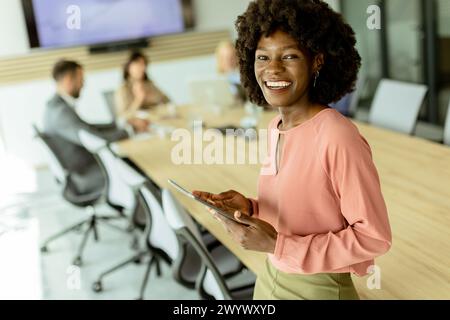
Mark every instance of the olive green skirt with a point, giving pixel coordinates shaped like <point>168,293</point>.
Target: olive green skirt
<point>277,285</point>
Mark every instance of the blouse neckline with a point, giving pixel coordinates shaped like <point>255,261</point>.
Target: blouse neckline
<point>301,125</point>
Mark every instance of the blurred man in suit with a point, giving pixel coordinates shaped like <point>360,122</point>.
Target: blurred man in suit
<point>62,124</point>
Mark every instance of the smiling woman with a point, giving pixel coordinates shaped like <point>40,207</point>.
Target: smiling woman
<point>317,41</point>
<point>320,215</point>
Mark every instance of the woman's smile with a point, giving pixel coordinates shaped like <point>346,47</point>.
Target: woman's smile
<point>277,86</point>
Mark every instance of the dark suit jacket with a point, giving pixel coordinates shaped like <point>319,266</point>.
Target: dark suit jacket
<point>62,125</point>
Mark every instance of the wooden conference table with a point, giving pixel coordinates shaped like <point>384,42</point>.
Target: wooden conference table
<point>415,178</point>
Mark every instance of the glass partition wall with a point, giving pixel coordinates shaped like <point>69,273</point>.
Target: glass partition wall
<point>443,34</point>
<point>412,44</point>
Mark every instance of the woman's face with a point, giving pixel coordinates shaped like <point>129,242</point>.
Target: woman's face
<point>282,70</point>
<point>137,69</point>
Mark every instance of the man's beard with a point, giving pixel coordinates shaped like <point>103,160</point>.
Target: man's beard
<point>76,94</point>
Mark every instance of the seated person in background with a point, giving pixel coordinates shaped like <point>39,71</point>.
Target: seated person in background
<point>227,65</point>
<point>137,92</point>
<point>62,124</point>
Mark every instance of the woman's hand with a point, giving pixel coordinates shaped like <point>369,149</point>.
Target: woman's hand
<point>229,201</point>
<point>139,125</point>
<point>257,236</point>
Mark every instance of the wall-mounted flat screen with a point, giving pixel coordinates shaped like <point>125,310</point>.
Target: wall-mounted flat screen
<point>66,23</point>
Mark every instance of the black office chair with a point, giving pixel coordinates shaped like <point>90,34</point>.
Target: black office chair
<point>158,241</point>
<point>156,254</point>
<point>164,248</point>
<point>118,194</point>
<point>219,266</point>
<point>71,194</point>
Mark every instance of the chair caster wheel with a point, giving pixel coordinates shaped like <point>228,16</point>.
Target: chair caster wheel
<point>44,249</point>
<point>137,261</point>
<point>97,286</point>
<point>77,262</point>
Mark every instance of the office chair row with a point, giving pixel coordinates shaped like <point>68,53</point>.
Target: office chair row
<point>166,234</point>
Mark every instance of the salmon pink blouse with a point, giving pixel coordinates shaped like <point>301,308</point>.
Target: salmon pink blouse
<point>325,198</point>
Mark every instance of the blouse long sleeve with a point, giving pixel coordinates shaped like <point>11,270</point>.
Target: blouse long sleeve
<point>347,161</point>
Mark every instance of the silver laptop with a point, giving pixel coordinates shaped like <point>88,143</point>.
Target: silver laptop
<point>211,93</point>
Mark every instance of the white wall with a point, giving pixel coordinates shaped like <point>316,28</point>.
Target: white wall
<point>13,33</point>
<point>218,14</point>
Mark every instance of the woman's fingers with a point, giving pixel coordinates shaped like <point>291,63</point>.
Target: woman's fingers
<point>246,219</point>
<point>224,195</point>
<point>206,196</point>
<point>222,221</point>
<point>213,199</point>
<point>217,216</point>
<point>202,194</point>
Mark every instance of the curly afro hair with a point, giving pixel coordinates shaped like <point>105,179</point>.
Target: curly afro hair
<point>317,28</point>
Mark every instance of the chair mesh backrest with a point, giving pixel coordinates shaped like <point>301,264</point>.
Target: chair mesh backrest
<point>180,220</point>
<point>119,192</point>
<point>177,216</point>
<point>161,235</point>
<point>447,127</point>
<point>131,177</point>
<point>54,162</point>
<point>396,105</point>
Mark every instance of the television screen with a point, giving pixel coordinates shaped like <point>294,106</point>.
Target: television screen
<point>64,23</point>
